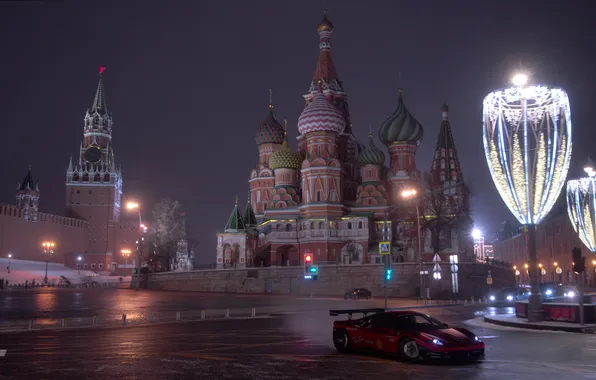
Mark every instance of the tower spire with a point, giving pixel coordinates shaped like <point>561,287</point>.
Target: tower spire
<point>445,165</point>
<point>270,98</point>
<point>99,102</point>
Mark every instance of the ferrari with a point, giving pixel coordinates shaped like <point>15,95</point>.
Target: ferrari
<point>410,335</point>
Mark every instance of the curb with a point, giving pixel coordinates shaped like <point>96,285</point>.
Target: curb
<point>129,326</point>
<point>527,326</point>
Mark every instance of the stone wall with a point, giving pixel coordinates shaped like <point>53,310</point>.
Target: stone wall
<point>334,280</point>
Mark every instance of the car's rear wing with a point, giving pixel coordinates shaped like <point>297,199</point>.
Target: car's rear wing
<point>335,313</point>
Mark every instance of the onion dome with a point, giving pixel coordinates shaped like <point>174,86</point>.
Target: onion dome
<point>321,115</point>
<point>401,126</point>
<point>325,24</point>
<point>270,131</point>
<point>285,157</point>
<point>372,155</point>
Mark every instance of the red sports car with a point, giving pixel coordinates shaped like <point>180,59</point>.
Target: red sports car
<point>412,336</point>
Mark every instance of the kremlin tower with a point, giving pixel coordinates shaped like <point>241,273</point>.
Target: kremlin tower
<point>330,199</point>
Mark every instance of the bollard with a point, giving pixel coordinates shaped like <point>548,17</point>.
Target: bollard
<point>124,319</point>
<point>253,312</point>
<point>31,324</point>
<point>227,313</point>
<point>177,315</point>
<point>63,322</point>
<point>202,315</point>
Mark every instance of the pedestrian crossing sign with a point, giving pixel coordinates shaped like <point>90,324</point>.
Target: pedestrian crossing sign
<point>384,248</point>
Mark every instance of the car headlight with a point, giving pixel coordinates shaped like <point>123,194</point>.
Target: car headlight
<point>437,342</point>
<point>548,292</point>
<point>509,298</point>
<point>492,298</point>
<point>570,294</point>
<point>477,339</point>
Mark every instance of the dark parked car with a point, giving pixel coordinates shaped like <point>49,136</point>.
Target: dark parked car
<point>357,293</point>
<point>506,296</point>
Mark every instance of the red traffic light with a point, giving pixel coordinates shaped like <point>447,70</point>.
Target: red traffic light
<point>308,258</point>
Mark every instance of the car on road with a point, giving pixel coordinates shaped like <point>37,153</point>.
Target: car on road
<point>410,335</point>
<point>357,293</point>
<point>506,297</point>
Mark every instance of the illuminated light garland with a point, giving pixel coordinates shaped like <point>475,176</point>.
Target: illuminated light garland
<point>581,208</point>
<point>527,144</point>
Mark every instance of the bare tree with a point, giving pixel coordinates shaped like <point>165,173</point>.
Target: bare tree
<point>444,207</point>
<point>167,230</point>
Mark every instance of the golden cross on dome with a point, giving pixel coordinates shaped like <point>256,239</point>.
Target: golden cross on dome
<point>270,98</point>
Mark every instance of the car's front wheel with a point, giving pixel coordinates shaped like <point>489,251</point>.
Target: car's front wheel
<point>341,341</point>
<point>409,350</point>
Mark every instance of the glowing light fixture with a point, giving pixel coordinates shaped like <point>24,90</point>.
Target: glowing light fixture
<point>527,144</point>
<point>581,208</point>
<point>476,233</point>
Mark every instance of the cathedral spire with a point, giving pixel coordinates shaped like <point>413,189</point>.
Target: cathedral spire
<point>249,217</point>
<point>325,70</point>
<point>235,222</point>
<point>445,165</point>
<point>99,102</point>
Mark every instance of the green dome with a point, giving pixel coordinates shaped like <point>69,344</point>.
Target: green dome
<point>371,155</point>
<point>401,126</point>
<point>285,157</point>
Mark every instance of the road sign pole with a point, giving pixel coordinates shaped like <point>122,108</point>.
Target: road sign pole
<point>385,280</point>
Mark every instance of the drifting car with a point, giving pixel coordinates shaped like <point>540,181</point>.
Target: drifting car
<point>410,335</point>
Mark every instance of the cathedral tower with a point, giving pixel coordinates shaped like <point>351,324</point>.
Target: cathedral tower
<point>325,76</point>
<point>94,184</point>
<point>269,138</point>
<point>286,165</point>
<point>401,133</point>
<point>28,197</point>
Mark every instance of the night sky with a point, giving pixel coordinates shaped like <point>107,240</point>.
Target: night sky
<point>187,83</point>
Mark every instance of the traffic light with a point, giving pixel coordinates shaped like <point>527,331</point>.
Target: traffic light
<point>310,271</point>
<point>579,262</point>
<point>388,274</point>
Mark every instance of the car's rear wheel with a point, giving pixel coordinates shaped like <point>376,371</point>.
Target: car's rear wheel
<point>341,341</point>
<point>409,350</point>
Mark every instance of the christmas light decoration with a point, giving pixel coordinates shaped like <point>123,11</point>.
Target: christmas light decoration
<point>581,208</point>
<point>527,143</point>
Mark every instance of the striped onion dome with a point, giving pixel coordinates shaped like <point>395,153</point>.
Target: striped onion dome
<point>321,115</point>
<point>285,157</point>
<point>401,126</point>
<point>270,131</point>
<point>372,155</point>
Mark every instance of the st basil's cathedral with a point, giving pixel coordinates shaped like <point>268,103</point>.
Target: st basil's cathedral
<point>334,197</point>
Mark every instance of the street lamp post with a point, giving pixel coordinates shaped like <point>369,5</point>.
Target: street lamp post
<point>135,206</point>
<point>48,250</point>
<point>8,267</point>
<point>79,265</point>
<point>410,194</point>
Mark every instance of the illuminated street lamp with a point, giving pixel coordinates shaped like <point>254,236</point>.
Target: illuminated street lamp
<point>8,267</point>
<point>478,244</point>
<point>48,250</point>
<point>527,144</point>
<point>142,228</point>
<point>125,253</point>
<point>79,264</point>
<point>408,194</point>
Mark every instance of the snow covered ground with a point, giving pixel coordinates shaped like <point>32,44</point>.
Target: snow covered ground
<point>23,270</point>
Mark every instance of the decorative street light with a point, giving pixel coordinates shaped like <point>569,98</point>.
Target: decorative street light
<point>48,250</point>
<point>8,267</point>
<point>142,228</point>
<point>125,253</point>
<point>411,193</point>
<point>581,207</point>
<point>527,143</point>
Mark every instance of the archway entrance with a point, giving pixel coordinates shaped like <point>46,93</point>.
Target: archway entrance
<point>286,255</point>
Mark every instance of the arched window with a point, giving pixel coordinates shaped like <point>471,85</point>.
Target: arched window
<point>288,227</point>
<point>321,226</point>
<point>359,225</point>
<point>349,225</point>
<point>278,227</point>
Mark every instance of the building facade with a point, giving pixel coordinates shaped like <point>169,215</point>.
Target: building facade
<point>334,197</point>
<point>91,234</point>
<point>555,240</point>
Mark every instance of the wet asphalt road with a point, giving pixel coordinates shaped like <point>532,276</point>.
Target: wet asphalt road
<point>293,347</point>
<point>24,304</point>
